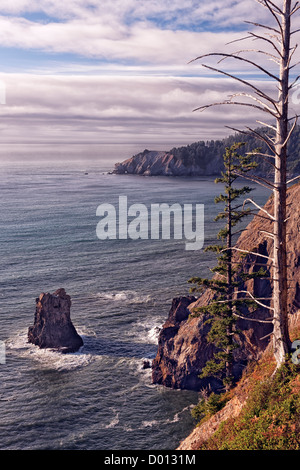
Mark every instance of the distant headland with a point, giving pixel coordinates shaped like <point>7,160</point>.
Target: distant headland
<point>203,158</point>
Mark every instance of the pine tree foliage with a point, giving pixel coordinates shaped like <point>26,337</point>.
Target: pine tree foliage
<point>227,278</point>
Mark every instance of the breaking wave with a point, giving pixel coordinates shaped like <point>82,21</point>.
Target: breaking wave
<point>124,296</point>
<point>47,358</point>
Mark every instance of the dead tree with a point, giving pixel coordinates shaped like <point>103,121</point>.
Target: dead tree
<point>279,37</point>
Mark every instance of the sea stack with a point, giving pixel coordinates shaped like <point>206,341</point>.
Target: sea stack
<point>52,323</point>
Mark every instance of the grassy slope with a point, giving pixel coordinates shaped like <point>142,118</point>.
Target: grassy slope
<point>270,419</point>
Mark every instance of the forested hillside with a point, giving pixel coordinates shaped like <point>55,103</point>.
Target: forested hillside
<point>201,153</point>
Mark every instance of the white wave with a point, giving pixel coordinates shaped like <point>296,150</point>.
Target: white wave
<point>114,422</point>
<point>124,296</point>
<point>146,331</point>
<point>48,358</point>
<point>155,422</point>
<point>149,424</point>
<point>153,333</point>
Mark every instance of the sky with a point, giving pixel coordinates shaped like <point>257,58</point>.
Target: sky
<point>120,71</point>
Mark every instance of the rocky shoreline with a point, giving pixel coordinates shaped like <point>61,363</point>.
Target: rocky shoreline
<point>160,163</point>
<point>203,158</point>
<point>182,346</point>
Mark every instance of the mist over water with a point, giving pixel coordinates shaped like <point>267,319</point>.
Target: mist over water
<point>121,290</point>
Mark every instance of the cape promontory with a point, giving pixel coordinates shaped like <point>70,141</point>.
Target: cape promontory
<point>53,327</point>
<point>204,158</point>
<point>159,163</point>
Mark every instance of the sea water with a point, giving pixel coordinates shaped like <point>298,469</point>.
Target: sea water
<point>121,290</point>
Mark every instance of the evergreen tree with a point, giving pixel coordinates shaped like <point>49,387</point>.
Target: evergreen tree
<point>225,305</point>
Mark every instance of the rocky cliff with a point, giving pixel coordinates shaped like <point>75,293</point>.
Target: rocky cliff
<point>182,345</point>
<point>203,158</point>
<point>154,163</point>
<point>53,327</point>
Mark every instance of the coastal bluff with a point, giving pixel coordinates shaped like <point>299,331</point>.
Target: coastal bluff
<point>204,158</point>
<point>160,163</point>
<point>53,327</point>
<point>182,345</point>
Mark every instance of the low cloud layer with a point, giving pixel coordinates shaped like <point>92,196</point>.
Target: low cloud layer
<point>117,109</point>
<point>112,72</point>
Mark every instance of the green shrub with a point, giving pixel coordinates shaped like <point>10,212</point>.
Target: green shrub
<point>208,406</point>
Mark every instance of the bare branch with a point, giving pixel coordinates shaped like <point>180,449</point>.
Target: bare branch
<point>274,15</point>
<point>294,82</point>
<point>257,36</point>
<point>291,56</point>
<point>257,179</point>
<point>242,317</point>
<point>273,57</point>
<point>260,137</point>
<point>267,3</point>
<point>268,234</point>
<point>259,92</point>
<point>202,108</point>
<point>291,131</point>
<point>239,58</point>
<point>259,207</point>
<point>293,179</point>
<point>267,125</point>
<point>238,40</point>
<point>251,319</point>
<point>259,154</point>
<point>264,26</point>
<point>248,95</point>
<point>240,131</point>
<point>295,9</point>
<point>266,139</point>
<point>257,301</point>
<point>266,336</point>
<point>259,215</point>
<point>295,65</point>
<point>263,157</point>
<point>248,252</point>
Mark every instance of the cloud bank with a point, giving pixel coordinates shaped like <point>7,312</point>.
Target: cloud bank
<point>111,72</point>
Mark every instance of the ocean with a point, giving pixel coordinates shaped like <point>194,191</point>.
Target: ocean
<point>121,291</point>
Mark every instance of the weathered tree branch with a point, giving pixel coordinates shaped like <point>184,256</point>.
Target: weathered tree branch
<point>259,207</point>
<point>243,59</point>
<point>257,36</point>
<point>248,252</point>
<point>257,301</point>
<point>293,179</point>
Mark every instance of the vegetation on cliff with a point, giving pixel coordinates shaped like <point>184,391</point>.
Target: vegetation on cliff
<point>262,412</point>
<point>224,308</point>
<point>270,419</point>
<point>206,157</point>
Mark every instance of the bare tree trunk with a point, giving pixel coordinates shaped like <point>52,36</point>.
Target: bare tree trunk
<point>281,341</point>
<point>280,40</point>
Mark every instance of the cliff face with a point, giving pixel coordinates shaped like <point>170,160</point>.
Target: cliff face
<point>154,163</point>
<point>183,351</point>
<point>204,158</point>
